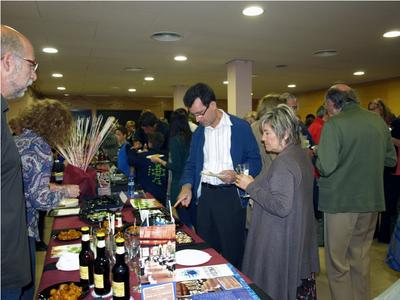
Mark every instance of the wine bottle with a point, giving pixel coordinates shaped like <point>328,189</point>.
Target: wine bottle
<point>86,260</point>
<point>120,273</point>
<point>102,284</point>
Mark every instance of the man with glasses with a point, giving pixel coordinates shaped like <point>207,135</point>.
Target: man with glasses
<point>221,143</point>
<point>18,68</point>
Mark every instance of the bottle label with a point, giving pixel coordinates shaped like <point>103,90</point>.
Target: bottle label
<point>85,237</point>
<point>118,289</point>
<point>101,243</point>
<point>99,281</point>
<point>84,272</point>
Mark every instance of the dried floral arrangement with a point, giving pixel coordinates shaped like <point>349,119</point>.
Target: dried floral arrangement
<point>86,138</point>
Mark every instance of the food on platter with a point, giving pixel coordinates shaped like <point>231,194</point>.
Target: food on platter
<point>69,235</point>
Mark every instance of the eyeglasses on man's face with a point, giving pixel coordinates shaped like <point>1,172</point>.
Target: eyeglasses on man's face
<point>34,65</point>
<point>201,114</point>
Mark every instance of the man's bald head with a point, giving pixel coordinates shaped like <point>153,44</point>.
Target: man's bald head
<point>18,66</point>
<point>12,40</point>
<point>341,87</point>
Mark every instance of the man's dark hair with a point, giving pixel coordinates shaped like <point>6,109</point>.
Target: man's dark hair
<point>156,139</point>
<point>123,130</point>
<point>147,118</point>
<point>201,91</point>
<point>339,98</point>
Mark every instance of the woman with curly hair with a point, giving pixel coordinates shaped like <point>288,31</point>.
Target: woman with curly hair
<point>44,123</point>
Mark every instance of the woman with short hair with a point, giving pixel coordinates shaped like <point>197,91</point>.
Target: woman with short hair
<point>281,253</point>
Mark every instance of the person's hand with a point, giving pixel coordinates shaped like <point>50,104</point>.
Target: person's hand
<point>227,176</point>
<point>72,190</point>
<point>136,145</point>
<point>242,181</point>
<point>185,196</point>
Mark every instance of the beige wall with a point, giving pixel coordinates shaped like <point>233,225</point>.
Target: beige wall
<point>388,90</point>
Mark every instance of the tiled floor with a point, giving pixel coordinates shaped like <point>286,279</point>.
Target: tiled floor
<point>381,275</point>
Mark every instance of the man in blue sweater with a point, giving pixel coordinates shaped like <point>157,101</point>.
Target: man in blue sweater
<point>221,143</point>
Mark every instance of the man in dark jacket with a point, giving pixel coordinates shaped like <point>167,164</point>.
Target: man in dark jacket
<point>221,143</point>
<point>18,69</point>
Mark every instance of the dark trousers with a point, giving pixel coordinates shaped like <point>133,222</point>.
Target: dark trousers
<point>221,221</point>
<point>389,216</point>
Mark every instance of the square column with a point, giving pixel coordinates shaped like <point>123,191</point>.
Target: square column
<point>239,87</point>
<point>179,93</point>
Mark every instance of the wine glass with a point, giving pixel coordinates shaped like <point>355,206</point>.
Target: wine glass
<point>243,169</point>
<point>132,244</point>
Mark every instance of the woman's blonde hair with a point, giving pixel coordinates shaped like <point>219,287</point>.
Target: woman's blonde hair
<point>267,103</point>
<point>284,123</point>
<point>50,119</point>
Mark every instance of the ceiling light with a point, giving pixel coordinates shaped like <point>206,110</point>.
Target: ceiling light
<point>281,66</point>
<point>180,58</point>
<point>325,53</point>
<point>149,78</point>
<point>359,73</point>
<point>166,36</point>
<point>61,88</point>
<point>49,50</point>
<point>57,75</point>
<point>131,90</point>
<point>252,11</point>
<point>225,82</point>
<point>133,69</point>
<point>392,34</point>
<point>66,95</point>
<point>251,94</point>
<point>292,85</point>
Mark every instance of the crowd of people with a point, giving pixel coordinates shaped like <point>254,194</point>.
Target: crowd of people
<point>339,166</point>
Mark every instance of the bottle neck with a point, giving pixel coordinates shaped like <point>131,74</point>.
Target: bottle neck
<point>120,255</point>
<point>101,246</point>
<point>85,241</point>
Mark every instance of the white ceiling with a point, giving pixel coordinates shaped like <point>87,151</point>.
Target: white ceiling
<point>97,40</point>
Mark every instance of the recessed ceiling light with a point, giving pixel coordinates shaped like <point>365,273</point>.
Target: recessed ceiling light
<point>252,11</point>
<point>66,95</point>
<point>392,34</point>
<point>57,75</point>
<point>180,58</point>
<point>281,66</point>
<point>166,36</point>
<point>49,50</point>
<point>292,85</point>
<point>325,53</point>
<point>149,78</point>
<point>252,94</point>
<point>61,88</point>
<point>225,82</point>
<point>133,69</point>
<point>359,73</point>
<point>131,90</point>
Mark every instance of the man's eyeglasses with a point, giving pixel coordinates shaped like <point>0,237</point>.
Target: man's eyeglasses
<point>197,115</point>
<point>34,64</point>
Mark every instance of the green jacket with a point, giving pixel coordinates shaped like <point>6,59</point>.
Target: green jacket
<point>355,146</point>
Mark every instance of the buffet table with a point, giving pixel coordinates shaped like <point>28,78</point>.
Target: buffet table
<point>51,275</point>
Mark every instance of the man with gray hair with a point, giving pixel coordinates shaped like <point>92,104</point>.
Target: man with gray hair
<point>18,69</point>
<point>355,146</point>
<point>291,101</point>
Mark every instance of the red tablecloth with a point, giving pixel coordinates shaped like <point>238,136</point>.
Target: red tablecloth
<point>51,277</point>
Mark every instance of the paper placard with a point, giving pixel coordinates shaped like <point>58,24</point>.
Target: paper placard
<point>165,291</point>
<point>123,197</point>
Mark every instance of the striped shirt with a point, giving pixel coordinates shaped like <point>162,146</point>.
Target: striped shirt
<point>217,149</point>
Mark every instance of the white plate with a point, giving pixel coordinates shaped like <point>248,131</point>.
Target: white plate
<point>68,262</point>
<point>190,257</point>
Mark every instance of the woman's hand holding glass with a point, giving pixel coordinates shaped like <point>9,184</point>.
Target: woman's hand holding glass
<point>242,181</point>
